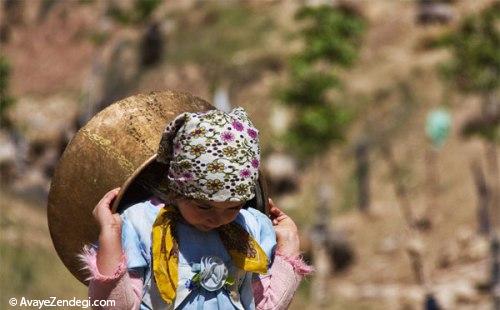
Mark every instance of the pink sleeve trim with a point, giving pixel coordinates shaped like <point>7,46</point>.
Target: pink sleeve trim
<point>89,258</point>
<point>275,290</point>
<point>125,288</point>
<point>298,264</point>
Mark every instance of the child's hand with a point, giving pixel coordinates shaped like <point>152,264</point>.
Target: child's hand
<point>287,234</point>
<point>110,248</point>
<point>102,213</point>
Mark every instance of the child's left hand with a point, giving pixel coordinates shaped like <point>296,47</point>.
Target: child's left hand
<point>287,234</point>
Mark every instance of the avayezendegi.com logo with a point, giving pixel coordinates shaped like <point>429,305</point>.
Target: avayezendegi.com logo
<point>56,302</point>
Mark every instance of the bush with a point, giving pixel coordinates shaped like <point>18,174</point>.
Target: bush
<point>331,38</point>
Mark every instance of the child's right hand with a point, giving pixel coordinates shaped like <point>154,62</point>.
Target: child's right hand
<point>109,254</point>
<point>103,215</point>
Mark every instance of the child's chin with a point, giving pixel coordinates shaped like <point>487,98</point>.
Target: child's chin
<point>204,227</point>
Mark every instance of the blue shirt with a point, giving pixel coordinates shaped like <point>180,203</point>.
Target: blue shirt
<point>137,225</point>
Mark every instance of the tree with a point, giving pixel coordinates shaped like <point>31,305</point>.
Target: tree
<point>475,68</point>
<point>475,63</point>
<point>331,37</point>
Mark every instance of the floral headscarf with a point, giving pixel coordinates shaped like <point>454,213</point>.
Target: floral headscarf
<point>212,156</point>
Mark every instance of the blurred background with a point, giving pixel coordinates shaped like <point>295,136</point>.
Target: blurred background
<point>379,124</point>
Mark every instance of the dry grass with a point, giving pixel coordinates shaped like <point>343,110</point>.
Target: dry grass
<point>30,265</point>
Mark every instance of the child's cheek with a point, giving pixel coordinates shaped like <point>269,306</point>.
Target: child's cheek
<point>195,217</point>
<point>230,217</point>
<point>190,215</point>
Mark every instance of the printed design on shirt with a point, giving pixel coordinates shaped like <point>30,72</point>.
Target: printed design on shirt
<point>245,252</point>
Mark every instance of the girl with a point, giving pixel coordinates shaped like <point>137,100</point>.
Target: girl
<point>198,249</point>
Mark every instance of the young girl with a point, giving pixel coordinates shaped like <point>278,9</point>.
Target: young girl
<point>201,249</point>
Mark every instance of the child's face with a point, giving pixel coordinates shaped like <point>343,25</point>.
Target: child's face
<point>207,215</point>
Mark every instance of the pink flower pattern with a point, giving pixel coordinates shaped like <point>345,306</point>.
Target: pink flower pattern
<point>227,136</point>
<point>252,133</point>
<point>245,173</point>
<point>237,125</point>
<point>255,163</point>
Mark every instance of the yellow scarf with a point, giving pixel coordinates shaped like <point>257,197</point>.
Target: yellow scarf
<point>245,252</point>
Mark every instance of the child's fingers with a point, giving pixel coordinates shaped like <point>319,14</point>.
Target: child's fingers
<point>109,196</point>
<point>104,205</point>
<point>279,218</point>
<point>274,212</point>
<point>277,212</point>
<point>273,208</point>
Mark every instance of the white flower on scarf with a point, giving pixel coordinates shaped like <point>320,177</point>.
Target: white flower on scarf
<point>213,273</point>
